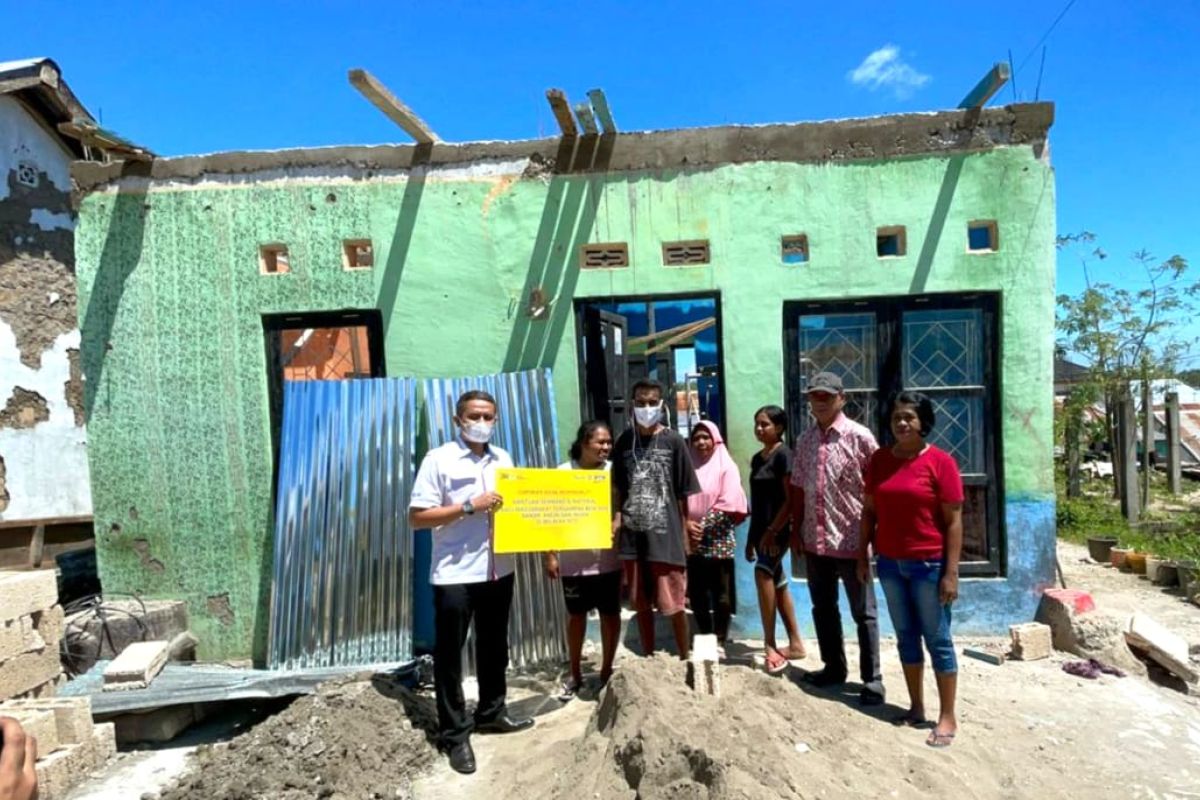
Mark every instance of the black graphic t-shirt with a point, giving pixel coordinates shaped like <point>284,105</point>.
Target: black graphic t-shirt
<point>767,492</point>
<point>652,474</point>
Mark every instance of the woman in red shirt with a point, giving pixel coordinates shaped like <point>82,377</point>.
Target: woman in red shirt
<point>912,518</point>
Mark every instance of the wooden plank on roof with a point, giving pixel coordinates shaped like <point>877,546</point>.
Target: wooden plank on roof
<point>392,107</point>
<point>987,87</point>
<point>562,112</point>
<point>586,119</point>
<point>603,112</point>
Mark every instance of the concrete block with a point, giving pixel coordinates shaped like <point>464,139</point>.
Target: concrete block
<point>14,637</point>
<point>706,665</point>
<point>72,715</point>
<point>1166,648</point>
<point>23,593</point>
<point>49,625</point>
<point>64,769</point>
<point>1079,601</point>
<point>1031,641</point>
<point>104,743</point>
<point>38,723</point>
<point>28,671</point>
<point>137,665</point>
<point>157,725</point>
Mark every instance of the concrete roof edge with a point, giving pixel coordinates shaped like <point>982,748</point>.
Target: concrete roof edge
<point>838,141</point>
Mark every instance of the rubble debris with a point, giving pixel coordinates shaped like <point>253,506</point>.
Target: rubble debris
<point>137,666</point>
<point>1077,627</point>
<point>353,738</point>
<point>102,629</point>
<point>1031,641</point>
<point>1164,647</point>
<point>987,656</point>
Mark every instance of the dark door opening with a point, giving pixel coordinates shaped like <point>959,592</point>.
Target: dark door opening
<point>945,346</point>
<point>673,339</point>
<point>323,346</point>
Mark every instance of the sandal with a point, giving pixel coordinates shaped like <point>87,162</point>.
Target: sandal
<point>797,653</point>
<point>775,664</point>
<point>939,739</point>
<point>569,690</point>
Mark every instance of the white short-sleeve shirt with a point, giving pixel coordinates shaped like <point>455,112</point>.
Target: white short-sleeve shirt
<point>462,549</point>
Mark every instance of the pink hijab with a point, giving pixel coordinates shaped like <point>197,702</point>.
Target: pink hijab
<point>720,482</point>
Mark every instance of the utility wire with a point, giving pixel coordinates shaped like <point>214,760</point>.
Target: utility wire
<point>1046,35</point>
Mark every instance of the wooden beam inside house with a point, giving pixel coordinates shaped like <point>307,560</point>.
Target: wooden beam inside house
<point>562,112</point>
<point>92,135</point>
<point>603,112</point>
<point>392,107</point>
<point>586,119</point>
<point>987,87</point>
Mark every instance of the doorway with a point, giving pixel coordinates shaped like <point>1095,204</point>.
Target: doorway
<point>673,339</point>
<point>323,346</point>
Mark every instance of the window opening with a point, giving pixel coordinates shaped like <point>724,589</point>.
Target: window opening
<point>890,242</point>
<point>982,237</point>
<point>358,254</point>
<point>608,255</point>
<point>794,249</point>
<point>273,259</point>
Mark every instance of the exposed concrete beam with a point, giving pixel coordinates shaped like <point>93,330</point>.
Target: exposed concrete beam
<point>392,107</point>
<point>586,119</point>
<point>603,112</point>
<point>562,112</point>
<point>991,83</point>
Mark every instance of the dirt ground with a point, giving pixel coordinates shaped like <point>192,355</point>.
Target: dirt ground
<point>1026,730</point>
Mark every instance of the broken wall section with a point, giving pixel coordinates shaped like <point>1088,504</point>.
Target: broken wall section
<point>43,446</point>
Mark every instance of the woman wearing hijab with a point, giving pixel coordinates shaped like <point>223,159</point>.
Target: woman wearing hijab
<point>713,515</point>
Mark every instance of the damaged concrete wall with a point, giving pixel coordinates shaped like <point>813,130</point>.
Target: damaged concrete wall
<point>172,302</point>
<point>43,447</point>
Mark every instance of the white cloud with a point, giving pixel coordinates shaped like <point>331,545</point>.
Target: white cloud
<point>885,69</point>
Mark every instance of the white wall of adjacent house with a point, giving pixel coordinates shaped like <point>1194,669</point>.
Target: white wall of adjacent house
<point>45,466</point>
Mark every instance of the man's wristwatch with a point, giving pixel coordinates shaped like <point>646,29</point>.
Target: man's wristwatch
<point>468,507</point>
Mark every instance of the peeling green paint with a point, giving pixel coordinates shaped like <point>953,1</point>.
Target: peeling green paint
<point>171,302</point>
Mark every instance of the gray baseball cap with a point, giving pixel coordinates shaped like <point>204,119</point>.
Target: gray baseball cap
<point>825,382</point>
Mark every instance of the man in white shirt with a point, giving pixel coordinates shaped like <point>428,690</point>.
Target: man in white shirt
<point>454,494</point>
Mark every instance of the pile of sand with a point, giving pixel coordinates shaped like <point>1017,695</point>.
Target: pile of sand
<point>651,736</point>
<point>349,740</point>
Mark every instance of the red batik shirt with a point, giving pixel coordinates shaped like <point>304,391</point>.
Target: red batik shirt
<point>830,467</point>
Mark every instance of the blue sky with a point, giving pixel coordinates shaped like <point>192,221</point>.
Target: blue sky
<point>201,77</point>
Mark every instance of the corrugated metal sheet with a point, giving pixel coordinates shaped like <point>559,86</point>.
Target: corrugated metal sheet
<point>526,427</point>
<point>341,592</point>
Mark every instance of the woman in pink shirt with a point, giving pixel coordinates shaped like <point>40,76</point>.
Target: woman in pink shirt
<point>912,518</point>
<point>591,579</point>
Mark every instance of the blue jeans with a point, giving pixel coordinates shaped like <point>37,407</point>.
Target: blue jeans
<point>915,605</point>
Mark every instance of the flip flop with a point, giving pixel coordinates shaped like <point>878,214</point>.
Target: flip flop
<point>569,690</point>
<point>777,667</point>
<point>939,740</point>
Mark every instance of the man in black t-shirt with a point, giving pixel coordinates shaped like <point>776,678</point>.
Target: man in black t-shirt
<point>652,477</point>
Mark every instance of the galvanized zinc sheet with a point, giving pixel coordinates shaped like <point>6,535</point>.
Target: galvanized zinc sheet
<point>526,427</point>
<point>341,592</point>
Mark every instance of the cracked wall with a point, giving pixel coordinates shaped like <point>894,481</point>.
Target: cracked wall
<point>42,439</point>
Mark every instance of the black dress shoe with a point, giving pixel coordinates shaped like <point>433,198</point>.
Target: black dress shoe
<point>462,758</point>
<point>823,678</point>
<point>872,694</point>
<point>504,724</point>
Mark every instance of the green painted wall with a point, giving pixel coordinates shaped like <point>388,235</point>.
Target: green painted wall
<point>171,303</point>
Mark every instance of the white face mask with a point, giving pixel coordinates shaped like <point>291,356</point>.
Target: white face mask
<point>478,432</point>
<point>647,417</point>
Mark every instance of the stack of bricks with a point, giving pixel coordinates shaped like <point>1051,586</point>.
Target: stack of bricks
<point>31,629</point>
<point>70,747</point>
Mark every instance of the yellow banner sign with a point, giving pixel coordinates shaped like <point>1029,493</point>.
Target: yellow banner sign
<point>553,509</point>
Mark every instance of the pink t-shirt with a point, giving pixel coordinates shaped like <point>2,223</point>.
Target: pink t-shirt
<point>572,563</point>
<point>909,494</point>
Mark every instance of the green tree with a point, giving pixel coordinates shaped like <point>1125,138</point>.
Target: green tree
<point>1124,332</point>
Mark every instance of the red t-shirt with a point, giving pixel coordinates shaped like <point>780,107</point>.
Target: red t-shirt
<point>909,493</point>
